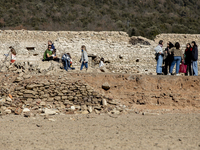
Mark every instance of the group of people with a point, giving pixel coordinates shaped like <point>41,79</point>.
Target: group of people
<point>169,57</point>
<point>173,55</point>
<point>50,54</point>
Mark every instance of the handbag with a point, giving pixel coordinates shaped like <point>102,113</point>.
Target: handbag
<point>183,68</point>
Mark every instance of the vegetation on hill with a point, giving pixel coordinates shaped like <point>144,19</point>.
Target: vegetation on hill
<point>136,17</point>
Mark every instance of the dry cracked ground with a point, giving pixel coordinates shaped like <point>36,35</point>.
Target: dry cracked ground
<point>162,113</point>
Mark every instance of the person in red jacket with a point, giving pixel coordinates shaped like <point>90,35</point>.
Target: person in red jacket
<point>188,59</point>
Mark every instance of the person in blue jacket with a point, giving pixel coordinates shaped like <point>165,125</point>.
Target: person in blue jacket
<point>52,46</point>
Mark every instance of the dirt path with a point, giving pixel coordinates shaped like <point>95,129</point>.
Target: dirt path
<point>97,132</point>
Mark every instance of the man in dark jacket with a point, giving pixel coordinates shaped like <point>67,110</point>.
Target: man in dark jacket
<point>194,58</point>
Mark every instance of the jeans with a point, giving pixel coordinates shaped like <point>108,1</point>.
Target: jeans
<point>84,64</point>
<point>195,68</point>
<point>177,60</point>
<point>66,66</point>
<point>159,64</point>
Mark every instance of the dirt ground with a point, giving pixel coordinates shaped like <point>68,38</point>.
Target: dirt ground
<point>98,132</point>
<point>171,120</point>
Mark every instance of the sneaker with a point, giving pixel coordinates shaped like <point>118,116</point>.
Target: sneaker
<point>169,74</point>
<point>177,74</point>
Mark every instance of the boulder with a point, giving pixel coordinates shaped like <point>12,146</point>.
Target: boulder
<point>106,86</point>
<point>18,79</point>
<point>25,110</point>
<point>50,111</point>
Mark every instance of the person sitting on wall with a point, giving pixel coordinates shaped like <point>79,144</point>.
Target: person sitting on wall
<point>52,46</point>
<point>13,55</point>
<point>49,55</point>
<point>101,62</point>
<point>67,62</point>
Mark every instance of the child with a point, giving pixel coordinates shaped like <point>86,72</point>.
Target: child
<point>101,64</point>
<point>13,55</point>
<point>54,53</point>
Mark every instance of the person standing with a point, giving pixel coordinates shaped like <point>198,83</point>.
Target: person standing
<point>178,55</point>
<point>84,58</point>
<point>194,58</point>
<point>188,59</point>
<point>159,55</point>
<point>168,57</point>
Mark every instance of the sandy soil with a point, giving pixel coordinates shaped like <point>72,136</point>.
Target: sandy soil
<point>98,132</point>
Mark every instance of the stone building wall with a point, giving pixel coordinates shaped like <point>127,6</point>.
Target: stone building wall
<point>183,39</point>
<point>114,46</point>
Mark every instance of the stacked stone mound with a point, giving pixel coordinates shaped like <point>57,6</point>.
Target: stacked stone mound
<point>54,96</point>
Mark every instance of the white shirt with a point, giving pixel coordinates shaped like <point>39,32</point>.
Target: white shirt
<point>13,57</point>
<point>101,64</point>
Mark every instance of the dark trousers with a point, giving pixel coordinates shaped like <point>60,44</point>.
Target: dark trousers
<point>167,66</point>
<point>189,69</point>
<point>51,58</point>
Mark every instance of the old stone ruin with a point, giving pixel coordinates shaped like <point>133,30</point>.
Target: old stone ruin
<point>120,53</point>
<point>30,96</point>
<point>28,86</point>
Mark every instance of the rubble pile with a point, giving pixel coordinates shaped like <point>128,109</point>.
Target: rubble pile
<point>49,97</point>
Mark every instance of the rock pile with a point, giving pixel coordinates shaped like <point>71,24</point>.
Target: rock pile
<point>53,97</point>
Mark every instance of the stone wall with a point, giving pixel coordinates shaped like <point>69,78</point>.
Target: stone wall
<point>183,39</point>
<point>47,96</point>
<point>113,46</point>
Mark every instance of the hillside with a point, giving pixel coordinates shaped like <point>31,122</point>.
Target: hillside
<point>139,17</point>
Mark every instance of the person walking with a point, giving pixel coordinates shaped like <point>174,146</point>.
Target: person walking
<point>188,59</point>
<point>194,58</point>
<point>178,55</point>
<point>168,58</point>
<point>84,58</point>
<point>159,57</point>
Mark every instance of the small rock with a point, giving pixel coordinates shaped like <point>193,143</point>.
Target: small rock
<point>18,79</point>
<point>25,110</point>
<point>8,99</point>
<point>8,111</point>
<point>115,111</point>
<point>27,76</point>
<point>97,111</point>
<point>42,103</point>
<point>85,112</point>
<point>90,109</point>
<point>18,111</point>
<point>104,102</point>
<point>28,114</point>
<point>50,119</point>
<point>72,107</point>
<point>2,100</point>
<point>21,74</point>
<point>50,111</point>
<point>106,86</point>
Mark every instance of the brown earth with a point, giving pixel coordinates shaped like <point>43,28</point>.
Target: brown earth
<point>160,93</point>
<point>170,106</point>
